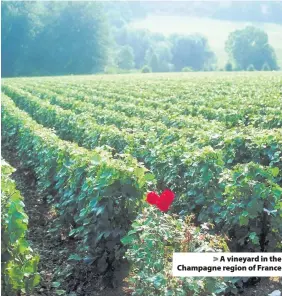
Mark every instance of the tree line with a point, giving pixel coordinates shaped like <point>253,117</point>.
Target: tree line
<point>59,38</point>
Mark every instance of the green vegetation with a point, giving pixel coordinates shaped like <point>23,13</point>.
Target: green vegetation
<point>97,144</point>
<point>250,46</point>
<point>151,270</point>
<point>265,67</point>
<point>251,67</point>
<point>126,58</point>
<point>207,145</point>
<point>111,189</point>
<point>216,31</point>
<point>146,69</point>
<point>53,38</point>
<point>191,51</point>
<point>228,67</point>
<point>19,263</point>
<point>39,39</point>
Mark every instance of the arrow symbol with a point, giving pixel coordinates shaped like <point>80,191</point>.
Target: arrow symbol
<point>215,259</point>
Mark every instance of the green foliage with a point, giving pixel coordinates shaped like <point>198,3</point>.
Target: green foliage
<point>19,263</point>
<point>138,40</point>
<point>111,70</point>
<point>250,190</point>
<point>164,54</point>
<point>38,39</point>
<point>265,67</point>
<point>204,194</point>
<point>151,242</point>
<point>152,60</point>
<point>191,51</point>
<point>126,58</point>
<point>250,46</point>
<point>192,133</point>
<point>187,69</point>
<point>44,39</point>
<point>97,195</point>
<point>146,69</point>
<point>251,68</point>
<point>154,63</point>
<point>228,67</point>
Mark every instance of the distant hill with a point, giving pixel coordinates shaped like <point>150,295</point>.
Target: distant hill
<point>248,11</point>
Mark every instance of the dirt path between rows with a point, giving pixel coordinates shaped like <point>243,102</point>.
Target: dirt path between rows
<point>61,277</point>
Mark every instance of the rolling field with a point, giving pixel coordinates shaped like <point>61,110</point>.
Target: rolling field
<point>97,144</point>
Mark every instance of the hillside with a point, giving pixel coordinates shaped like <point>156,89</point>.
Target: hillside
<point>253,11</point>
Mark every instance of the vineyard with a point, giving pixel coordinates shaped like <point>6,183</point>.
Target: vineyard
<point>96,145</point>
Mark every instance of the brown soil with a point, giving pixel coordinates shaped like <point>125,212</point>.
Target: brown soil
<point>76,279</point>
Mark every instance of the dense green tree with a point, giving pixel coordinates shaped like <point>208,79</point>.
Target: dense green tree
<point>228,67</point>
<point>154,63</point>
<point>163,51</point>
<point>43,38</point>
<point>265,67</point>
<point>152,60</point>
<point>139,40</point>
<point>79,38</point>
<point>16,31</point>
<point>251,67</point>
<point>191,51</point>
<point>142,41</point>
<point>126,58</point>
<point>250,46</point>
<point>146,69</point>
<point>186,69</point>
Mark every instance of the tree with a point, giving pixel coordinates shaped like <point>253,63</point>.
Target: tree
<point>191,51</point>
<point>146,69</point>
<point>78,39</point>
<point>228,67</point>
<point>154,63</point>
<point>186,69</point>
<point>251,68</point>
<point>152,60</point>
<point>16,36</point>
<point>138,40</point>
<point>43,38</point>
<point>126,58</point>
<point>163,51</point>
<point>265,67</point>
<point>250,46</point>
